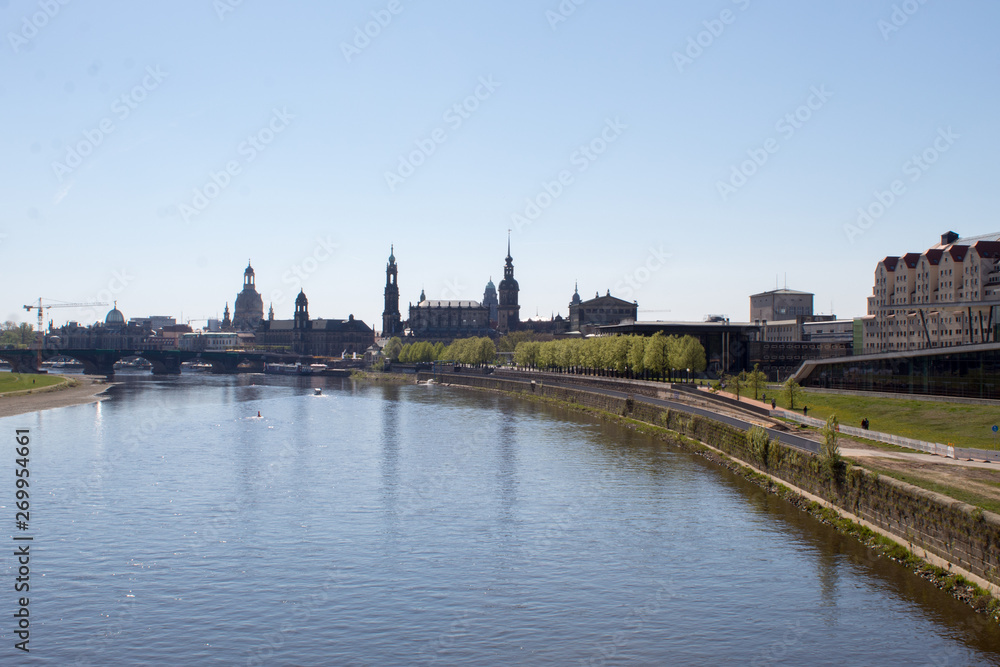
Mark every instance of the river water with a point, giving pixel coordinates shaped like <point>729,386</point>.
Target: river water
<point>387,525</point>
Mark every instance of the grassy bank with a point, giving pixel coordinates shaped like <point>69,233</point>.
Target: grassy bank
<point>28,381</point>
<point>384,378</point>
<point>960,424</point>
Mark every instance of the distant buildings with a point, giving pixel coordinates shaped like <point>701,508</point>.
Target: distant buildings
<point>780,304</point>
<point>947,295</point>
<point>586,316</point>
<point>447,319</point>
<point>319,337</point>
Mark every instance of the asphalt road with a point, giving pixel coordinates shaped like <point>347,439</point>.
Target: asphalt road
<point>785,438</point>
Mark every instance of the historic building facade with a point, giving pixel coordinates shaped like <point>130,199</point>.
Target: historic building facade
<point>586,316</point>
<point>446,319</point>
<point>319,337</point>
<point>948,295</point>
<point>508,310</point>
<point>392,325</point>
<point>114,333</point>
<point>248,310</point>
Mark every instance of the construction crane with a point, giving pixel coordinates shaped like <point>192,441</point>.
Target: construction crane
<point>41,315</point>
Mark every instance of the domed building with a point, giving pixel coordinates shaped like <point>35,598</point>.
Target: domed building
<point>114,319</point>
<point>248,312</point>
<point>490,301</point>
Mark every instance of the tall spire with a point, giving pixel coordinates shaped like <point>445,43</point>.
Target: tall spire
<point>508,246</point>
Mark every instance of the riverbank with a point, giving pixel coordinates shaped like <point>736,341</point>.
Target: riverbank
<point>75,390</point>
<point>379,377</point>
<point>936,537</point>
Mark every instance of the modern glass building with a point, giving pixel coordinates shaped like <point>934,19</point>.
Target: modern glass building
<point>971,371</point>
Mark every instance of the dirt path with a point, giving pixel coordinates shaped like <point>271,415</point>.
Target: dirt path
<point>87,391</point>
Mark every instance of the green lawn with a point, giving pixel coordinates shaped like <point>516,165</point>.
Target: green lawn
<point>21,381</point>
<point>956,423</point>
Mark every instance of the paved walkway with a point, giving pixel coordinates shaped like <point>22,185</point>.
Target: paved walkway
<point>878,452</point>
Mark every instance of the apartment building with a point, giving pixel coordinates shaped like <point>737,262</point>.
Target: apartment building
<point>948,295</point>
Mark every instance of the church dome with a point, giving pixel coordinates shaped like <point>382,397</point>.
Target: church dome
<point>490,287</point>
<point>301,299</point>
<point>115,317</point>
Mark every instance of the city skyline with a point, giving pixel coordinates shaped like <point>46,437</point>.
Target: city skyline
<point>683,157</point>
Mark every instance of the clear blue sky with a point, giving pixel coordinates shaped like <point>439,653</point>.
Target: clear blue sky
<point>182,86</point>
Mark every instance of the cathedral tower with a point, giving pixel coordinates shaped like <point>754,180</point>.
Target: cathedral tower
<point>508,318</point>
<point>391,324</point>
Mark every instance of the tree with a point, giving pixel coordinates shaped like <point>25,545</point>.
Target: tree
<point>16,335</point>
<point>618,353</point>
<point>691,354</point>
<point>760,443</point>
<point>509,342</point>
<point>793,390</point>
<point>393,348</point>
<point>485,351</point>
<point>736,382</point>
<point>404,354</point>
<point>636,354</point>
<point>756,380</point>
<point>655,355</point>
<point>830,450</point>
<point>526,353</point>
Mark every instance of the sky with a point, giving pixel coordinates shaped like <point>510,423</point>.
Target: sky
<point>684,155</point>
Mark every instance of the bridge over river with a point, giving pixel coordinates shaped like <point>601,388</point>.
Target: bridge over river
<point>165,362</point>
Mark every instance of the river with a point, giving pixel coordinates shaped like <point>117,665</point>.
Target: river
<point>401,525</point>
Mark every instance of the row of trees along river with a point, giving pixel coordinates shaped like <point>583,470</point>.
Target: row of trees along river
<point>646,356</point>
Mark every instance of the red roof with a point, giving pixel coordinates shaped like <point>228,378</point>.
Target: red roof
<point>890,263</point>
<point>958,252</point>
<point>988,249</point>
<point>911,259</point>
<point>934,256</point>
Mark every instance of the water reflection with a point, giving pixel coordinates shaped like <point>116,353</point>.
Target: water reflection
<point>462,527</point>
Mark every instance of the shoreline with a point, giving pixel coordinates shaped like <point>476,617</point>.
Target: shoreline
<point>88,390</point>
